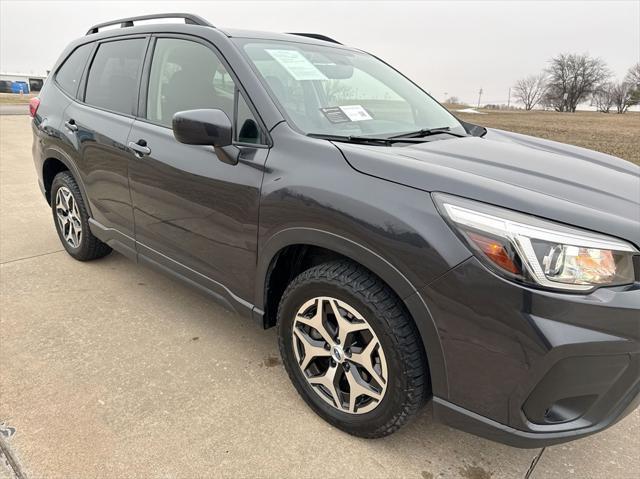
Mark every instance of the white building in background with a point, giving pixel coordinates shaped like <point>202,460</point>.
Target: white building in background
<point>34,81</point>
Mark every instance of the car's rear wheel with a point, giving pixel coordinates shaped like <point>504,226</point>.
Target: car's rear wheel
<point>351,349</point>
<point>72,220</point>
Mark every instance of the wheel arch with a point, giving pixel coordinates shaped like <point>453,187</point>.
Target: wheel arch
<point>55,162</point>
<point>340,246</point>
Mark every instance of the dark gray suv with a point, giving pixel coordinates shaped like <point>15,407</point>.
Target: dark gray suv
<point>402,254</point>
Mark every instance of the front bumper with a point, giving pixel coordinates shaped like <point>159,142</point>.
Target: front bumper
<point>532,368</point>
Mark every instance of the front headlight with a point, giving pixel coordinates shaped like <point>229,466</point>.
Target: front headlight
<point>538,252</point>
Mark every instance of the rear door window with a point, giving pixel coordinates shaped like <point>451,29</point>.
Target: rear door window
<point>69,74</point>
<point>112,83</point>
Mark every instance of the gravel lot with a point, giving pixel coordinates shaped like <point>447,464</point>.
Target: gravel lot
<point>109,369</point>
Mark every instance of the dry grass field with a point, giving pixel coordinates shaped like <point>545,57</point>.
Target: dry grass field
<point>15,99</point>
<point>617,135</point>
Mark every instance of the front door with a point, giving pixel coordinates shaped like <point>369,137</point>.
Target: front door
<point>191,210</point>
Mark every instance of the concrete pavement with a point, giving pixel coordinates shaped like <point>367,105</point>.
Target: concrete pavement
<point>109,369</point>
<point>14,109</point>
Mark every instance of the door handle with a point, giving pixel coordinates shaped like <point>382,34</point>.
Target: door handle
<point>140,148</point>
<point>71,125</point>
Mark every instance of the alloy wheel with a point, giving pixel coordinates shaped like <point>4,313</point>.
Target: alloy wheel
<point>340,355</point>
<point>68,217</point>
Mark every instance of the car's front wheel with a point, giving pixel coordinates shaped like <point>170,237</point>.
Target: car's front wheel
<point>351,349</point>
<point>72,220</point>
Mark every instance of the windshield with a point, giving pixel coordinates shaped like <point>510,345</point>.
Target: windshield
<point>334,91</point>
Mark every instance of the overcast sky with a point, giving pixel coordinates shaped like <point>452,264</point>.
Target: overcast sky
<point>454,47</point>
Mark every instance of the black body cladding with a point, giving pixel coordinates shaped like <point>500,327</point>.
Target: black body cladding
<point>498,353</point>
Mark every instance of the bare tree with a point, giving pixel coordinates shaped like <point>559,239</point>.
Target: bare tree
<point>633,75</point>
<point>453,100</point>
<point>530,90</point>
<point>633,80</point>
<point>573,78</point>
<point>602,98</point>
<point>624,95</point>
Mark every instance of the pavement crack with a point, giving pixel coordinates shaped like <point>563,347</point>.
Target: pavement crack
<point>31,257</point>
<point>534,463</point>
<point>5,451</point>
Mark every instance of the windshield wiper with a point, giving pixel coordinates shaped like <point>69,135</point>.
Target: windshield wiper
<point>351,138</point>
<point>428,132</point>
<point>366,139</point>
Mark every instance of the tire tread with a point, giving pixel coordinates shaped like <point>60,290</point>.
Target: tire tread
<point>372,291</point>
<point>92,248</point>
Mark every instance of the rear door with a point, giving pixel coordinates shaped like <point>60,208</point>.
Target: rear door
<point>193,212</point>
<point>98,126</point>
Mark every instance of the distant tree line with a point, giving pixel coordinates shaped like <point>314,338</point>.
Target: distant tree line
<point>571,79</point>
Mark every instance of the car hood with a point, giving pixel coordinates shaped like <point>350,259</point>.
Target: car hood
<point>552,180</point>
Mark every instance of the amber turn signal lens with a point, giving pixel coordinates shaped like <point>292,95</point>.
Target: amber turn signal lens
<point>495,251</point>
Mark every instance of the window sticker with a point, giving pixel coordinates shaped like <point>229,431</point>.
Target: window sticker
<point>297,65</point>
<point>355,112</point>
<point>335,115</point>
<point>347,113</point>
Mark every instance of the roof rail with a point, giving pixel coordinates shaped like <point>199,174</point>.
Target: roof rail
<point>189,19</point>
<point>317,36</point>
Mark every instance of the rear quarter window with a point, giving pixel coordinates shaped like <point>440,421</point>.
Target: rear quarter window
<point>112,83</point>
<point>69,74</point>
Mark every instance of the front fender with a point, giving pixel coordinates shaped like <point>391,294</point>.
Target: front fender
<point>312,196</point>
<point>378,265</point>
<point>331,241</point>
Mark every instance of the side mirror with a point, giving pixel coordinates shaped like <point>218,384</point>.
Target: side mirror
<point>207,127</point>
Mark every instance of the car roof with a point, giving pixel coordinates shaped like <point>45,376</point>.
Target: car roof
<point>129,26</point>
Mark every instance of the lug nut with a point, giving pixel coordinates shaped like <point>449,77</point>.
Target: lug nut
<point>346,366</point>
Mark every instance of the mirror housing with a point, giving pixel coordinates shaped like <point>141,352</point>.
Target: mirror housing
<point>210,127</point>
<point>202,127</point>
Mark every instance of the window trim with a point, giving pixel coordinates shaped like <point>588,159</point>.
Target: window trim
<point>82,90</point>
<point>236,131</point>
<point>74,95</point>
<point>265,137</point>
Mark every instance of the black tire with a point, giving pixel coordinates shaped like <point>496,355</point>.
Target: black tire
<point>89,246</point>
<point>408,379</point>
